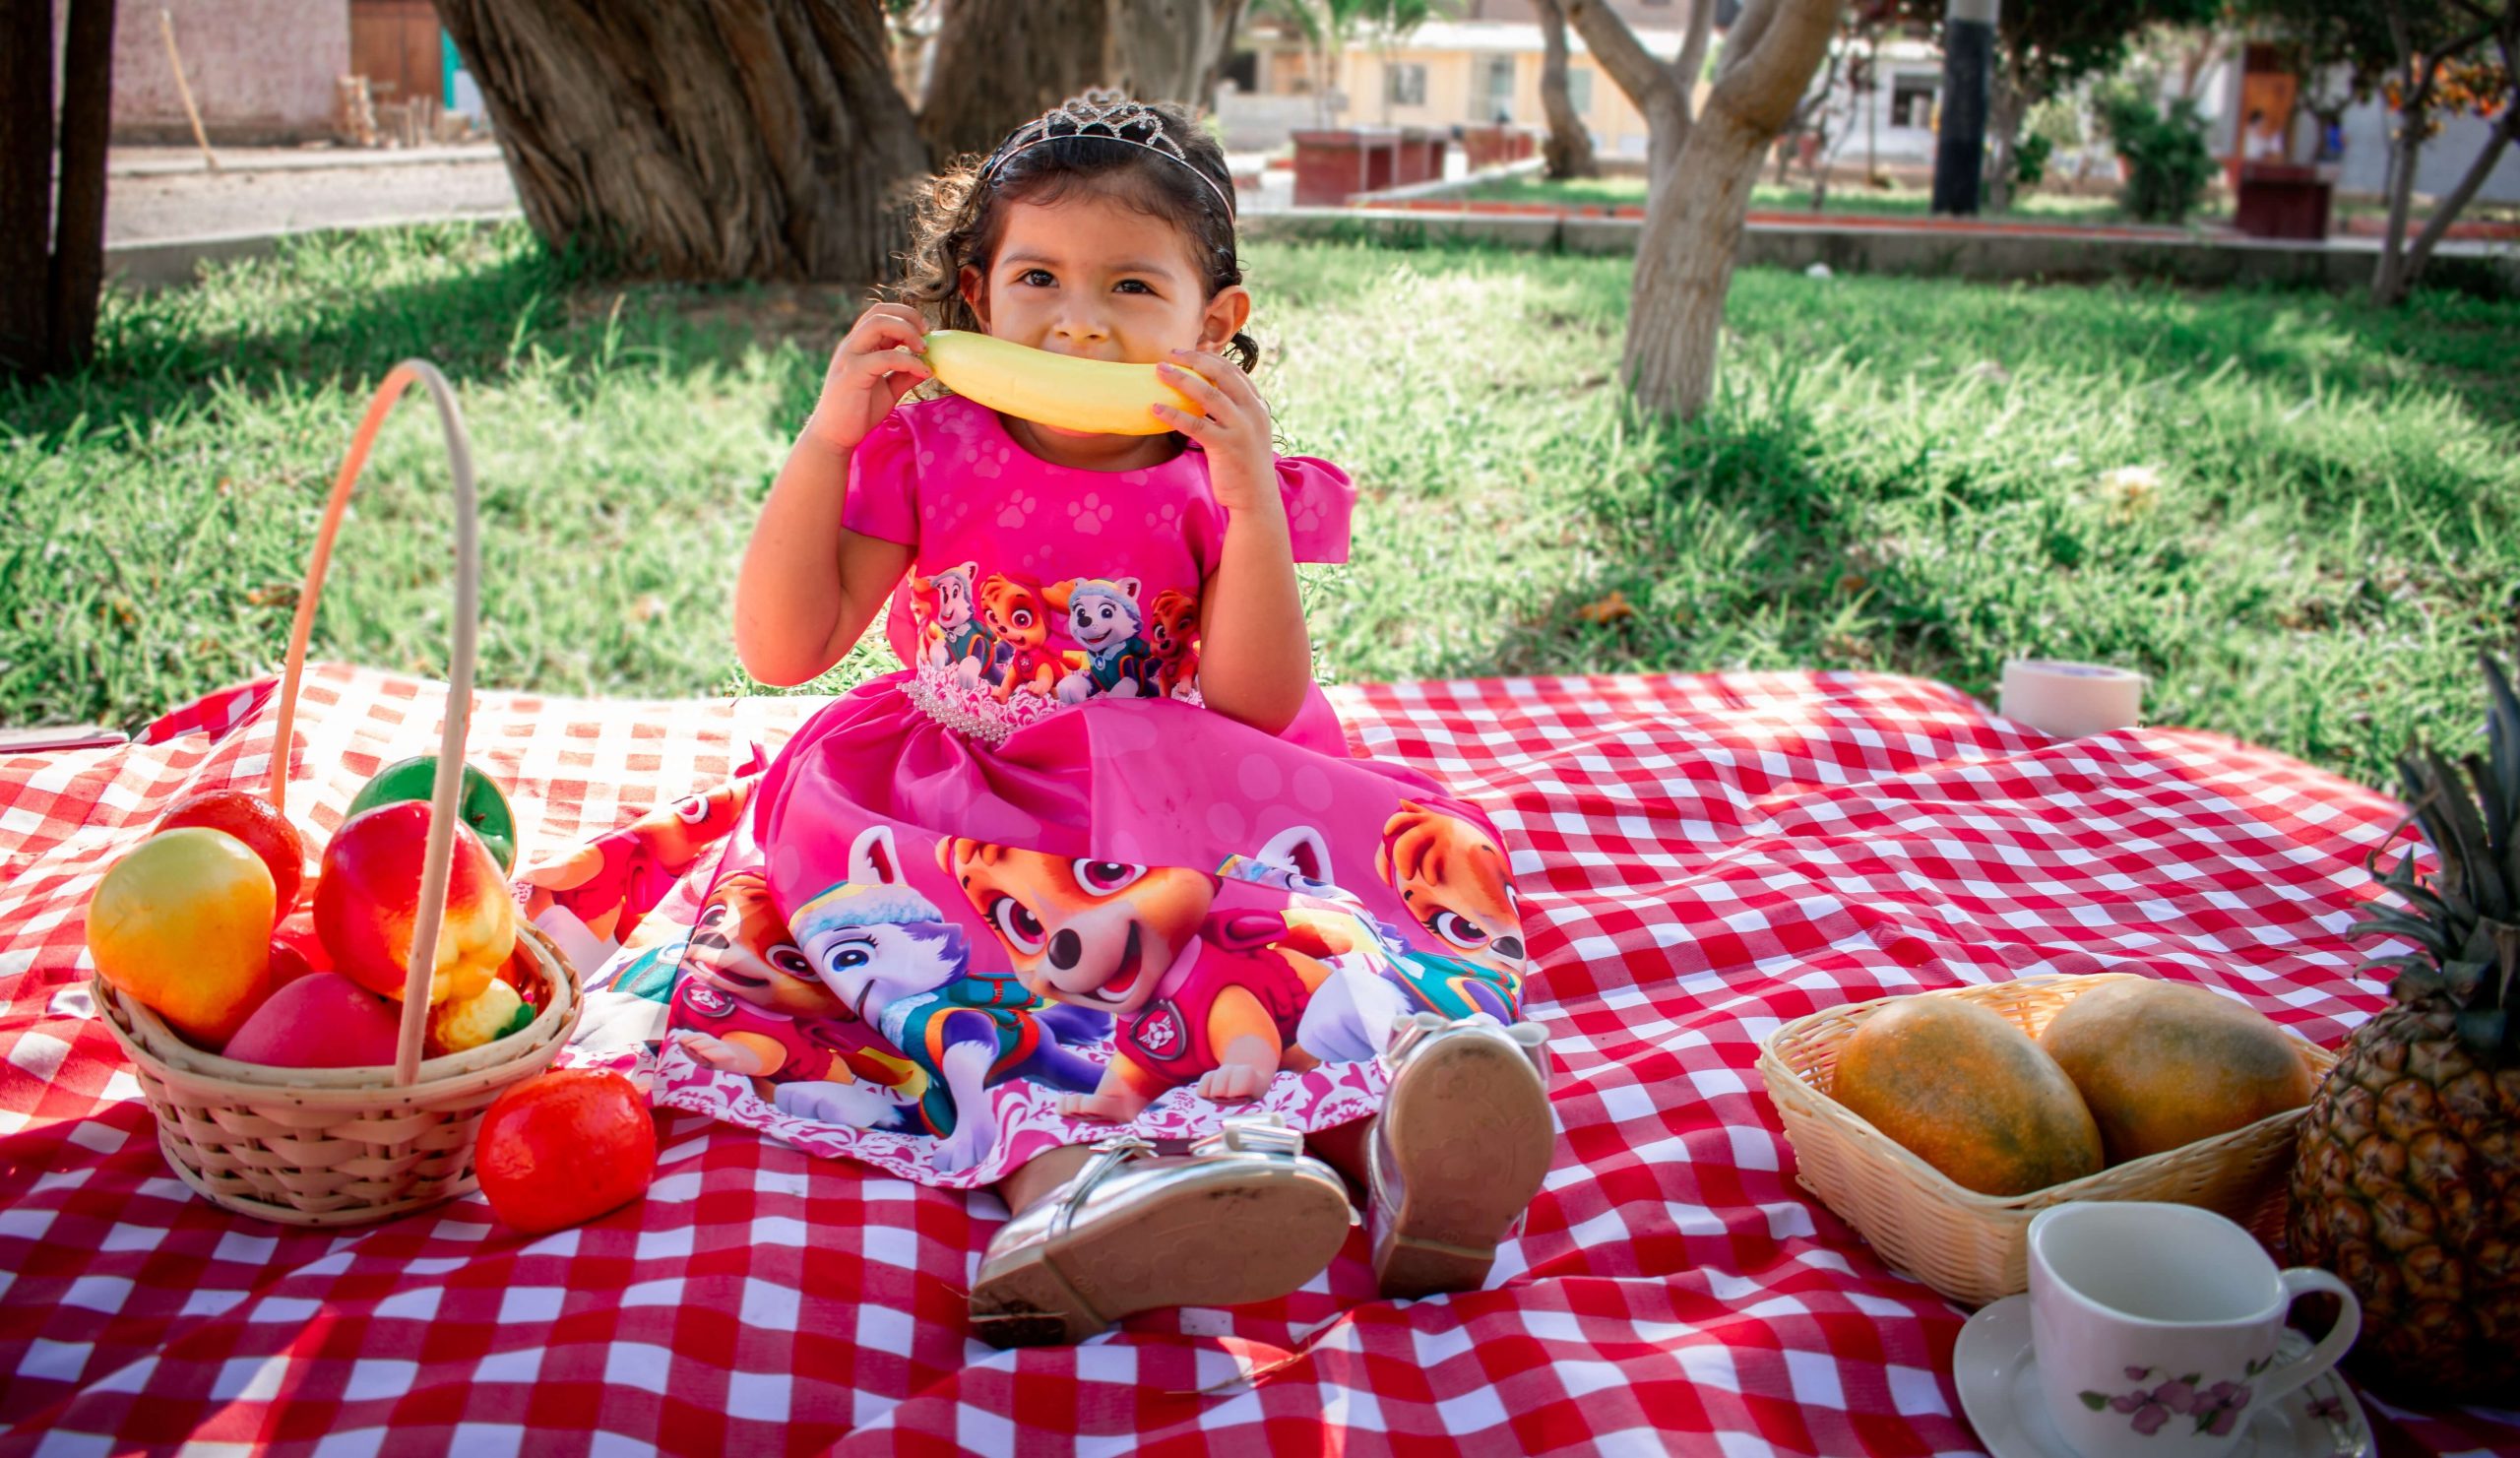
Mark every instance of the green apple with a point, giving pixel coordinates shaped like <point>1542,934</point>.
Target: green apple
<point>481,807</point>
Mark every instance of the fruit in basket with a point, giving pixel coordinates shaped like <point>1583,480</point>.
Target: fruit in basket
<point>564,1147</point>
<point>296,931</point>
<point>323,1019</point>
<point>482,805</point>
<point>183,922</point>
<point>368,895</point>
<point>1969,1093</point>
<point>2408,1178</point>
<point>2164,1064</point>
<point>459,1027</point>
<point>253,820</point>
<point>1098,396</point>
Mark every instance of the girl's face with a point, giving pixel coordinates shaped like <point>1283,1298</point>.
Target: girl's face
<point>1092,276</point>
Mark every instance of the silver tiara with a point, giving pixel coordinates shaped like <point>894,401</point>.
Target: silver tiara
<point>1110,116</point>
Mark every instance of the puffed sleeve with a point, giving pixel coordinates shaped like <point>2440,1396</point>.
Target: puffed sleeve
<point>1319,498</point>
<point>883,483</point>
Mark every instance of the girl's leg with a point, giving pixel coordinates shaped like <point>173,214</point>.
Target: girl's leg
<point>1029,1183</point>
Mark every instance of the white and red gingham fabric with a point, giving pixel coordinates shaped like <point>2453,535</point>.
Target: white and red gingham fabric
<point>1702,859</point>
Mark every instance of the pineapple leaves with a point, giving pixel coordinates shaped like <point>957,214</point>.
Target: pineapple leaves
<point>2503,731</point>
<point>2483,1029</point>
<point>2425,934</point>
<point>2466,864</point>
<point>2463,913</point>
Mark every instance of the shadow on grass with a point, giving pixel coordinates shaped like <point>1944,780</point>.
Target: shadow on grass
<point>344,307</point>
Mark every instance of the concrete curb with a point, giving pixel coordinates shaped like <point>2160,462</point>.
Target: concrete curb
<point>319,161</point>
<point>2009,257</point>
<point>2026,257</point>
<point>167,263</point>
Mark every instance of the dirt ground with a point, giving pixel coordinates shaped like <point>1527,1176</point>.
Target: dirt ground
<point>144,204</point>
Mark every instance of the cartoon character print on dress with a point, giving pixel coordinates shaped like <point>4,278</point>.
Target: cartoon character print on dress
<point>892,958</point>
<point>1451,876</point>
<point>611,882</point>
<point>951,633</point>
<point>746,1002</point>
<point>1201,998</point>
<point>1172,634</point>
<point>1018,620</point>
<point>1103,620</point>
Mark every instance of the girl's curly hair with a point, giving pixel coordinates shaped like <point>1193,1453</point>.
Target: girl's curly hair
<point>959,223</point>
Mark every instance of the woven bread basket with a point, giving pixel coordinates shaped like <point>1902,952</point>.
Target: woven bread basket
<point>353,1146</point>
<point>1973,1247</point>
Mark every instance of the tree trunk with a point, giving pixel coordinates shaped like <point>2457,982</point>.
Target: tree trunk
<point>2006,105</point>
<point>2446,210</point>
<point>78,271</point>
<point>25,185</point>
<point>1000,63</point>
<point>2388,280</point>
<point>1568,152</point>
<point>756,140</point>
<point>1684,262</point>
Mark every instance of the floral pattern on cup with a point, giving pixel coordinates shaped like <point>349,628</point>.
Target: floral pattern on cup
<point>2215,1410</point>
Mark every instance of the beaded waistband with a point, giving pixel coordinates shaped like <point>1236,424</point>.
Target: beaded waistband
<point>972,708</point>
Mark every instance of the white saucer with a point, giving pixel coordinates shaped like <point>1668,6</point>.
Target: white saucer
<point>1998,1376</point>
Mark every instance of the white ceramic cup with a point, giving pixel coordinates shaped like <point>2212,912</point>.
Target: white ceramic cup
<point>2154,1327</point>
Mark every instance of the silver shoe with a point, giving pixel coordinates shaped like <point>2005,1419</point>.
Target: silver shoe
<point>1463,1141</point>
<point>1246,1216</point>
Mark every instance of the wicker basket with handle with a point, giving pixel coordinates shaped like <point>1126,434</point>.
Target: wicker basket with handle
<point>1973,1247</point>
<point>351,1146</point>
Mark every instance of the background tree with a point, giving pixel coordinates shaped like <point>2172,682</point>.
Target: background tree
<point>2430,59</point>
<point>2043,47</point>
<point>769,140</point>
<point>52,183</point>
<point>1391,23</point>
<point>1699,171</point>
<point>1568,150</point>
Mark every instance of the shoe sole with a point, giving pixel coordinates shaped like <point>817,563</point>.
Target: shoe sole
<point>1221,1245</point>
<point>1470,1132</point>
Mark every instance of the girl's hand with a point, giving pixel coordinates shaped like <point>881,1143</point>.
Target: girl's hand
<point>1235,432</point>
<point>876,365</point>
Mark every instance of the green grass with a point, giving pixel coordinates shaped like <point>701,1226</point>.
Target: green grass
<point>1851,199</point>
<point>1899,474</point>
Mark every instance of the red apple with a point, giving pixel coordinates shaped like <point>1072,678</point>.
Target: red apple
<point>296,931</point>
<point>288,965</point>
<point>264,830</point>
<point>321,1021</point>
<point>564,1147</point>
<point>183,922</point>
<point>368,893</point>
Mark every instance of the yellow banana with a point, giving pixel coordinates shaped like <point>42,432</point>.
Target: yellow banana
<point>1099,396</point>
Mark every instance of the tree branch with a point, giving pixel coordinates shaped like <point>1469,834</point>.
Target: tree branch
<point>1622,55</point>
<point>1768,58</point>
<point>2446,210</point>
<point>1692,62</point>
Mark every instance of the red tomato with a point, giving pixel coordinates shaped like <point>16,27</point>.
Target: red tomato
<point>564,1147</point>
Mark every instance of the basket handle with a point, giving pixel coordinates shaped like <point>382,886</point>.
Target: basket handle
<point>449,787</point>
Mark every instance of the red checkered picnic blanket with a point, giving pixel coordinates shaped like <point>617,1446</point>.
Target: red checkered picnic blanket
<point>1702,859</point>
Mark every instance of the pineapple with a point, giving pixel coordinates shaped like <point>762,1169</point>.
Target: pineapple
<point>2408,1180</point>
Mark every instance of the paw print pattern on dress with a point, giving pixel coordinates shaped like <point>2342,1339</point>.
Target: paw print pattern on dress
<point>988,461</point>
<point>1305,516</point>
<point>1018,510</point>
<point>1090,515</point>
<point>1164,517</point>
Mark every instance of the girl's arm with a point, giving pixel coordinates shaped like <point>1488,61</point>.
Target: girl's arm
<point>809,586</point>
<point>1255,658</point>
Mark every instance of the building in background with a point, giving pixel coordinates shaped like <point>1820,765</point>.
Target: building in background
<point>270,71</point>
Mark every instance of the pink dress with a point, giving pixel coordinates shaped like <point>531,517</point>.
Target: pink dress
<point>1038,790</point>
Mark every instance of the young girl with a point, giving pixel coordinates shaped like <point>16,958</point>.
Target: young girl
<point>1097,863</point>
